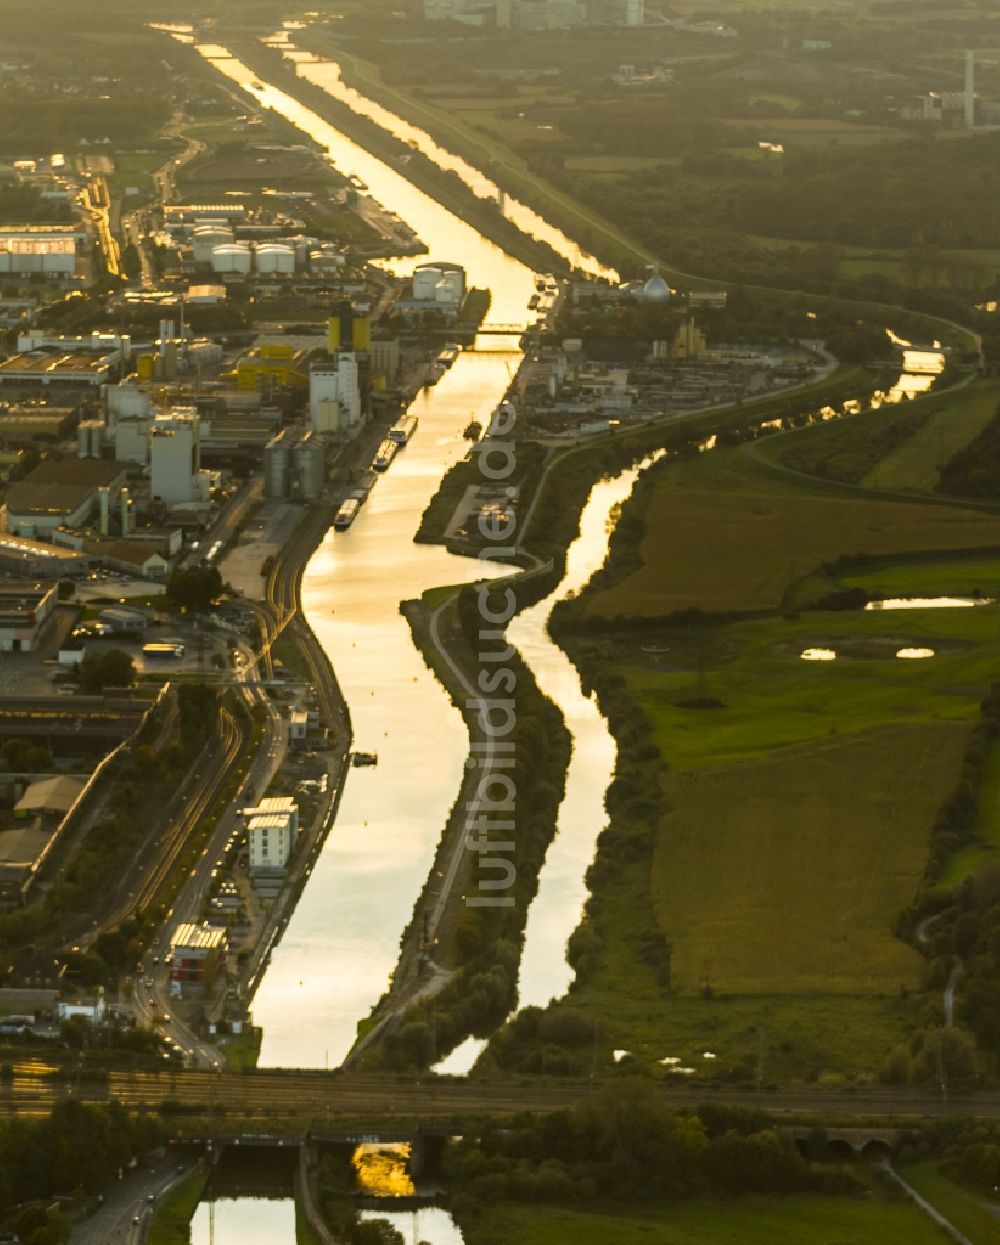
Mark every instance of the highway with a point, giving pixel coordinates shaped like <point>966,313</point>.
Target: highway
<point>134,1198</point>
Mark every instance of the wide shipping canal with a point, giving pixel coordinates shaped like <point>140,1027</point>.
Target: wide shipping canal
<point>341,946</point>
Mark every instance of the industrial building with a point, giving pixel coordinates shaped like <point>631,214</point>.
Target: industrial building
<point>335,396</point>
<point>59,493</point>
<point>25,613</point>
<point>47,250</point>
<point>273,365</point>
<point>193,948</point>
<point>34,559</point>
<point>272,829</point>
<point>175,457</point>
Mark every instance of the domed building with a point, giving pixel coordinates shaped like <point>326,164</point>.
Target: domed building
<point>656,289</point>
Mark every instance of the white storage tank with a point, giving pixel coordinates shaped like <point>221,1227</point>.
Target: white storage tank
<point>425,282</point>
<point>202,352</point>
<point>206,239</point>
<point>275,258</point>
<point>232,257</point>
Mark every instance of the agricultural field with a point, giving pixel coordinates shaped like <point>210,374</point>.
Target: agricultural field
<point>746,1220</point>
<point>916,463</point>
<point>746,554</point>
<point>736,869</point>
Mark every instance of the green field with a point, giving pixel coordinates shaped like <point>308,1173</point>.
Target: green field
<point>771,698</point>
<point>972,1214</point>
<point>745,551</point>
<point>794,1220</point>
<point>915,464</point>
<point>773,877</point>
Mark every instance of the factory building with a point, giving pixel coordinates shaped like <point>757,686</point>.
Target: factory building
<point>348,329</point>
<point>273,365</point>
<point>25,612</point>
<point>35,559</point>
<point>58,494</point>
<point>335,398</point>
<point>47,250</point>
<point>175,474</point>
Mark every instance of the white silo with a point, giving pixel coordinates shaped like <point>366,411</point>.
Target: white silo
<point>206,239</point>
<point>232,257</point>
<point>275,259</point>
<point>454,280</point>
<point>634,13</point>
<point>425,281</point>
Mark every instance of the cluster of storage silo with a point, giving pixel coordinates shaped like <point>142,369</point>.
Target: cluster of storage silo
<point>294,466</point>
<point>272,258</point>
<point>206,238</point>
<point>439,283</point>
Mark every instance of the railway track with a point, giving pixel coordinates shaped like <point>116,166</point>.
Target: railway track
<point>226,752</point>
<point>328,1095</point>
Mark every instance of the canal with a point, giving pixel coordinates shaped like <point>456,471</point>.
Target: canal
<point>339,950</point>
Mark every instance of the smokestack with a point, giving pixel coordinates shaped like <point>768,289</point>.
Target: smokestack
<point>970,90</point>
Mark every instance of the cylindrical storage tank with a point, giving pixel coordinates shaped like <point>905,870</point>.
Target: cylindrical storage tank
<point>454,279</point>
<point>277,468</point>
<point>425,281</point>
<point>232,257</point>
<point>205,240</point>
<point>202,352</point>
<point>145,366</point>
<point>309,466</point>
<point>274,258</point>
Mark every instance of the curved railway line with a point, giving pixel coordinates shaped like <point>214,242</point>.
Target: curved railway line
<point>225,751</point>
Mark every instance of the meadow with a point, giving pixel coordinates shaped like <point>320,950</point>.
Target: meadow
<point>743,1221</point>
<point>767,895</point>
<point>745,551</point>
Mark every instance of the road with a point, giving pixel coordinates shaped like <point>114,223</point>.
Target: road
<point>114,1223</point>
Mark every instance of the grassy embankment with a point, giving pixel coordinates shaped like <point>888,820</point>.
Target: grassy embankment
<point>800,794</point>
<point>171,1224</point>
<point>971,1213</point>
<point>755,1220</point>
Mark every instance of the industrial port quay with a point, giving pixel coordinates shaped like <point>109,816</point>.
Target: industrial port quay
<point>177,458</point>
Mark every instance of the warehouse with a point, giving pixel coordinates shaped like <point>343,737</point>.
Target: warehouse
<point>25,612</point>
<point>59,493</point>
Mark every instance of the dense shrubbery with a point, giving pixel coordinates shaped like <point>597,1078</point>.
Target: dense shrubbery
<point>78,1148</point>
<point>625,1144</point>
<point>487,940</point>
<point>975,470</point>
